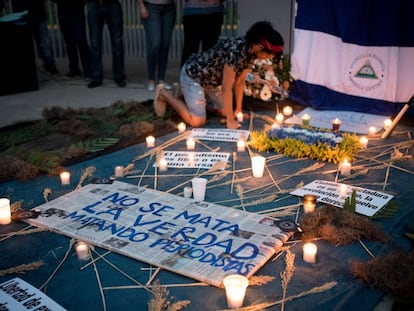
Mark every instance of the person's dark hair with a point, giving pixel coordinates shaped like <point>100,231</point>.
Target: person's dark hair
<point>263,32</point>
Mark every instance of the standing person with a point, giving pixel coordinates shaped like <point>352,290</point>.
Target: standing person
<point>37,20</point>
<point>202,21</point>
<point>158,18</point>
<point>99,12</point>
<point>71,14</point>
<point>210,79</point>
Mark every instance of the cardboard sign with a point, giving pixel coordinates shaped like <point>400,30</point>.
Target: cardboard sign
<point>188,159</point>
<point>201,240</point>
<point>18,295</point>
<point>368,202</point>
<point>219,134</point>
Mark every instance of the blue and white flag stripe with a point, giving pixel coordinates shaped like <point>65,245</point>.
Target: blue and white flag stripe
<point>354,55</point>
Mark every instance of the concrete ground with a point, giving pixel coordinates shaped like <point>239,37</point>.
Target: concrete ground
<point>60,91</point>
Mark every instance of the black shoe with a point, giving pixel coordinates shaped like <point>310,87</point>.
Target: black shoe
<point>94,84</point>
<point>51,69</point>
<point>121,83</point>
<point>73,73</point>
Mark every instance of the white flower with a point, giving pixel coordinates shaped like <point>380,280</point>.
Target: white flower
<point>265,93</point>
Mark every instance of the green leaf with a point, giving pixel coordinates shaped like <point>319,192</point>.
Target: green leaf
<point>99,144</point>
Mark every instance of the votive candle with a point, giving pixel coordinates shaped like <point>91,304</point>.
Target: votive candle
<point>235,286</point>
<point>279,118</point>
<point>363,141</point>
<point>241,145</point>
<point>65,178</point>
<point>309,203</point>
<point>305,119</point>
<point>181,127</point>
<point>345,168</point>
<point>240,117</point>
<point>190,144</point>
<point>82,250</point>
<point>5,211</point>
<point>372,131</point>
<point>287,111</point>
<point>258,163</point>
<point>163,165</point>
<point>387,123</point>
<point>309,252</point>
<point>119,171</point>
<point>336,124</point>
<point>150,141</point>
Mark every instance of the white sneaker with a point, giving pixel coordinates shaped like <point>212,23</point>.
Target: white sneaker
<point>166,85</point>
<point>151,86</point>
<point>160,106</point>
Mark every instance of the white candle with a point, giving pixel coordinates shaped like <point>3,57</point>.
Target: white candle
<point>82,250</point>
<point>309,252</point>
<point>240,117</point>
<point>363,141</point>
<point>305,119</point>
<point>241,145</point>
<point>258,163</point>
<point>345,167</point>
<point>163,165</point>
<point>387,123</point>
<point>65,178</point>
<point>372,131</point>
<point>188,191</point>
<point>119,171</point>
<point>275,126</point>
<point>235,286</point>
<point>190,144</point>
<point>150,141</point>
<point>279,118</point>
<point>309,203</point>
<point>287,111</point>
<point>5,212</point>
<point>181,127</point>
<point>336,124</point>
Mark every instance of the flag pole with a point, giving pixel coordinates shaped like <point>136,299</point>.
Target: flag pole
<point>397,118</point>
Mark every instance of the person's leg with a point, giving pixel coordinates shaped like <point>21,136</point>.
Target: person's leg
<point>210,29</point>
<point>167,27</point>
<point>82,42</point>
<point>67,25</point>
<point>193,108</point>
<point>115,25</point>
<point>95,23</point>
<point>152,27</point>
<point>192,36</point>
<point>44,49</point>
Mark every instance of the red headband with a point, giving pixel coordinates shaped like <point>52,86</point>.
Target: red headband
<point>271,47</point>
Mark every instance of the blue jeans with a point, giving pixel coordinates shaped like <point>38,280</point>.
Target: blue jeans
<point>158,31</point>
<point>98,14</point>
<point>41,35</point>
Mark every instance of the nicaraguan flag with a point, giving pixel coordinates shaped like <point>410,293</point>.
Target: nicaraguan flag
<point>355,55</point>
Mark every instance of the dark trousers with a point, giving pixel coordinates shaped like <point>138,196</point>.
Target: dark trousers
<point>73,27</point>
<point>200,31</point>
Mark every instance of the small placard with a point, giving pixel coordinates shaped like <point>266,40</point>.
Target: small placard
<point>18,295</point>
<point>188,159</point>
<point>368,202</point>
<point>219,134</point>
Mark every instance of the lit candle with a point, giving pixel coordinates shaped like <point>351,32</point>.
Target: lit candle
<point>305,119</point>
<point>309,203</point>
<point>190,144</point>
<point>163,165</point>
<point>258,163</point>
<point>235,286</point>
<point>279,118</point>
<point>65,178</point>
<point>82,250</point>
<point>181,127</point>
<point>5,212</point>
<point>372,131</point>
<point>336,124</point>
<point>119,171</point>
<point>363,141</point>
<point>345,167</point>
<point>150,141</point>
<point>309,252</point>
<point>275,126</point>
<point>240,117</point>
<point>287,111</point>
<point>387,123</point>
<point>241,145</point>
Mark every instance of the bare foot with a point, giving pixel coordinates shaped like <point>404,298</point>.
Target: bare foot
<point>232,124</point>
